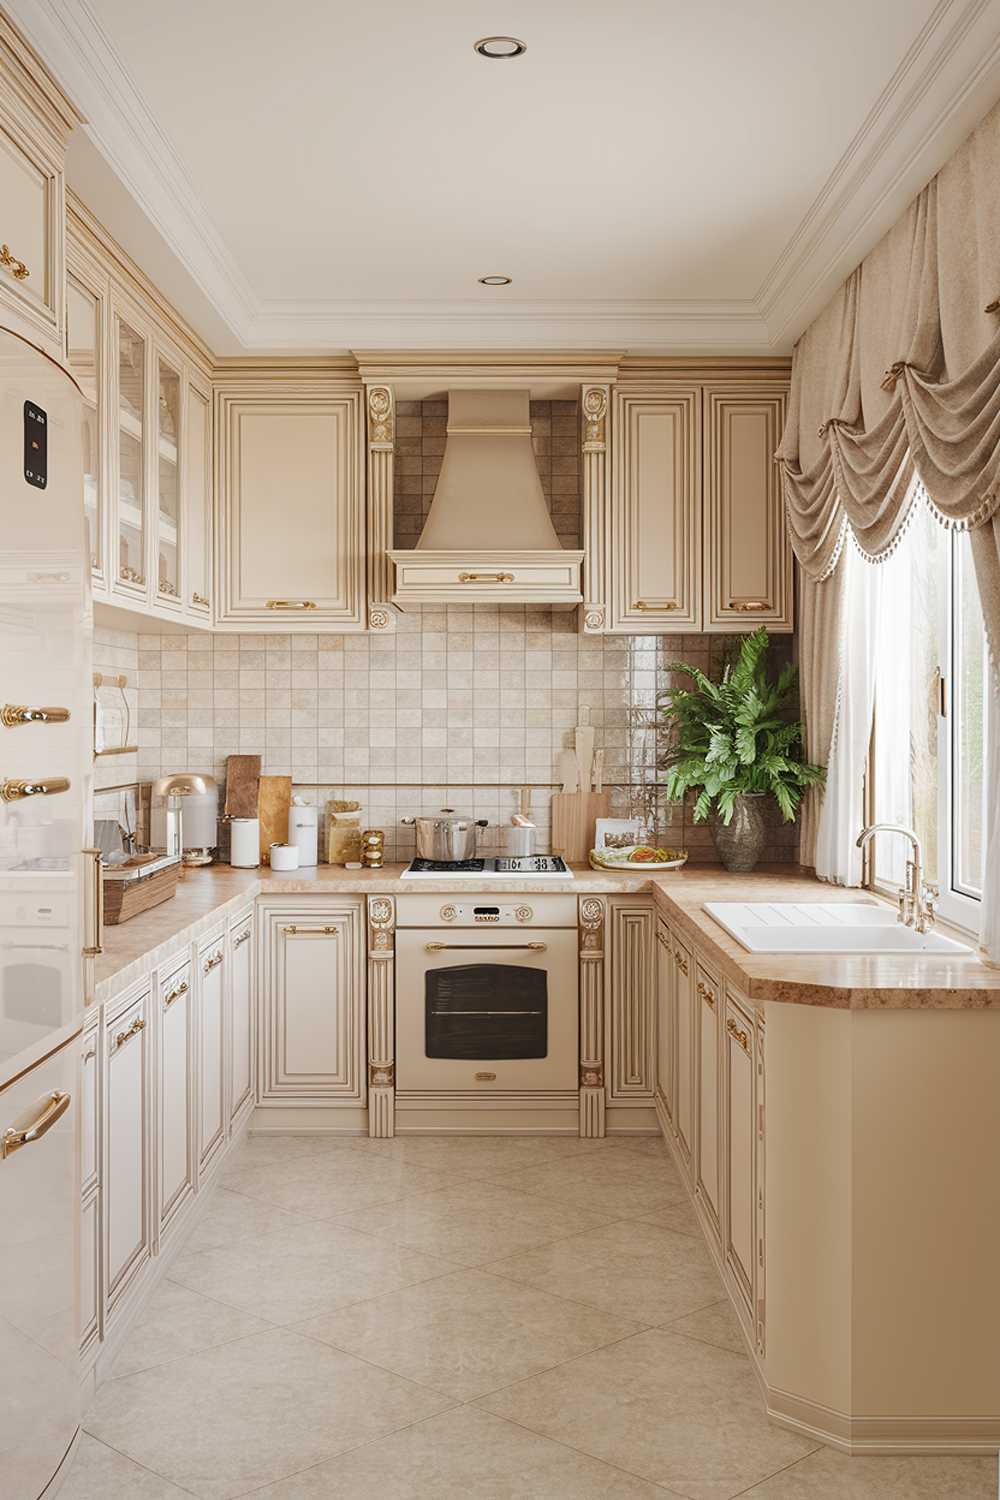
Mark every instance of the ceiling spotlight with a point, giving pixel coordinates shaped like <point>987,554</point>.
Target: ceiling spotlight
<point>495,280</point>
<point>500,46</point>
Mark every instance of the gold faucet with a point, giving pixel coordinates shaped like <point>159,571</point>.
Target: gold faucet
<point>917,898</point>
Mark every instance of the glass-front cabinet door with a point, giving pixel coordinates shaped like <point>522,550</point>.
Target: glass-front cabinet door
<point>130,390</point>
<point>168,482</point>
<point>198,471</point>
<point>84,341</point>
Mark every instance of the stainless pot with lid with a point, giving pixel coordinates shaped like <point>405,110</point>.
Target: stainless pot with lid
<point>446,835</point>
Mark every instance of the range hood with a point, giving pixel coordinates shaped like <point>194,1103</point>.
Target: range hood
<point>488,537</point>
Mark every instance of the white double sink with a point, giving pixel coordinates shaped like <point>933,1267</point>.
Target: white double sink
<point>825,927</point>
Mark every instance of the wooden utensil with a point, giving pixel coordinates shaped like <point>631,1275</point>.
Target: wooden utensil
<point>573,817</point>
<point>274,802</point>
<point>242,786</point>
<point>566,770</point>
<point>599,771</point>
<point>585,754</point>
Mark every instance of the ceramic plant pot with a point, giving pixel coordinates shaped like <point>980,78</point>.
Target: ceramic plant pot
<point>741,844</point>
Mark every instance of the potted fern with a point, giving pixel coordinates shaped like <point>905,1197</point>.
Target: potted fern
<point>735,743</point>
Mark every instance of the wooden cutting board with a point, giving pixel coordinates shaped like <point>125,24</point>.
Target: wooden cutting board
<point>573,817</point>
<point>242,785</point>
<point>274,801</point>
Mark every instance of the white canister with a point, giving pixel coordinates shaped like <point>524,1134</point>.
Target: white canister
<point>303,830</point>
<point>244,843</point>
<point>284,857</point>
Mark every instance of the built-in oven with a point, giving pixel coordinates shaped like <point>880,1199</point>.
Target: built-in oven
<point>486,994</point>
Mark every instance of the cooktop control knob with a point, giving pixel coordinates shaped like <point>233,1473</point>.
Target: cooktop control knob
<point>448,914</point>
<point>523,913</point>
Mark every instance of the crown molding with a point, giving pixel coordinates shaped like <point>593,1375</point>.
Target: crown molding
<point>947,80</point>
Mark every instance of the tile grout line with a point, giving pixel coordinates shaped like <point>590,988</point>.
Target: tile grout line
<point>129,1459</point>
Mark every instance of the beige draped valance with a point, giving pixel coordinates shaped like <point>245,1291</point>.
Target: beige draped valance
<point>900,376</point>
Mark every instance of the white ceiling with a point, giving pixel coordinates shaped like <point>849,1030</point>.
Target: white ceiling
<point>652,174</point>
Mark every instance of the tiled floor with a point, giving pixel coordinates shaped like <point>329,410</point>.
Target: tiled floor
<point>456,1319</point>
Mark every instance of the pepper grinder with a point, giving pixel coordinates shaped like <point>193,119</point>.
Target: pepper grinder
<point>372,848</point>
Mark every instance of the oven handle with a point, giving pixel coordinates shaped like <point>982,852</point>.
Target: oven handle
<point>487,948</point>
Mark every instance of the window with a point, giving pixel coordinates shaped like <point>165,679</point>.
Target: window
<point>929,734</point>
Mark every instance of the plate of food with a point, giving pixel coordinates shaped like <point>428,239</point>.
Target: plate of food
<point>638,857</point>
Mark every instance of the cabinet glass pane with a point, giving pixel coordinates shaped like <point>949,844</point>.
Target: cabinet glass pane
<point>131,470</point>
<point>198,458</point>
<point>83,326</point>
<point>168,482</point>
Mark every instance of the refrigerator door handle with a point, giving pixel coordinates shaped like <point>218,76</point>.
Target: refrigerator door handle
<point>53,1107</point>
<point>94,904</point>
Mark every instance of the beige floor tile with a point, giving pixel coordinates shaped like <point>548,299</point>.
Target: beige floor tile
<point>463,1455</point>
<point>467,1333</point>
<point>265,1150</point>
<point>621,1183</point>
<point>717,1325</point>
<point>646,1145</point>
<point>674,1411</point>
<point>233,1419</point>
<point>827,1475</point>
<point>325,1186</point>
<point>634,1269</point>
<point>678,1216</point>
<point>177,1321</point>
<point>233,1216</point>
<point>99,1473</point>
<point>482,1155</point>
<point>303,1272</point>
<point>474,1222</point>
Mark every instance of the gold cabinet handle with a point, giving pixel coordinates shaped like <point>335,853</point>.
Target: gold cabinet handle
<point>212,963</point>
<point>244,937</point>
<point>488,948</point>
<point>12,714</point>
<point>486,578</point>
<point>748,606</point>
<point>137,1025</point>
<point>90,1053</point>
<point>131,575</point>
<point>95,907</point>
<point>737,1034</point>
<point>10,262</point>
<point>197,598</point>
<point>994,306</point>
<point>175,994</point>
<point>15,1136</point>
<point>707,995</point>
<point>644,605</point>
<point>14,790</point>
<point>288,604</point>
<point>680,961</point>
<point>294,931</point>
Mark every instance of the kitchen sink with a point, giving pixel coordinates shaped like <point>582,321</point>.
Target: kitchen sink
<point>825,927</point>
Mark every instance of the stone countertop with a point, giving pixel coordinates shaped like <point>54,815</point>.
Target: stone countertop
<point>208,896</point>
<point>885,981</point>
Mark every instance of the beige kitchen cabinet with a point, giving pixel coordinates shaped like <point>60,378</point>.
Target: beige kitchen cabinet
<point>90,1184</point>
<point>198,495</point>
<point>90,1161</point>
<point>35,121</point>
<point>685,1034</point>
<point>313,1003</point>
<point>90,1275</point>
<point>242,1021</point>
<point>655,535</point>
<point>748,559</point>
<point>125,1185</point>
<point>706,1176</point>
<point>88,293</point>
<point>290,517</point>
<point>665,1021</point>
<point>176,1097</point>
<point>210,1024</point>
<point>632,1018</point>
<point>740,1220</point>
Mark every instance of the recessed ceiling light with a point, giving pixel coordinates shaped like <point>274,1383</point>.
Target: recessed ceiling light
<point>500,46</point>
<point>495,280</point>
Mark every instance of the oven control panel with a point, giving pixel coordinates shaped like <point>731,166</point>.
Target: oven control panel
<point>486,911</point>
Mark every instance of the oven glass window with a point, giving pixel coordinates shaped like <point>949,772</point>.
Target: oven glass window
<point>487,1012</point>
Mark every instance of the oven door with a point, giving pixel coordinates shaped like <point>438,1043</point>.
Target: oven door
<point>488,1012</point>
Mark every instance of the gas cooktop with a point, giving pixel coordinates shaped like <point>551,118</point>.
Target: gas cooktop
<point>552,866</point>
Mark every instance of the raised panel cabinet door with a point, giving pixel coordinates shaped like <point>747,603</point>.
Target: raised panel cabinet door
<point>125,1187</point>
<point>665,1018</point>
<point>241,1028</point>
<point>291,516</point>
<point>211,1018</point>
<point>632,1013</point>
<point>740,1216</point>
<point>684,1033</point>
<point>86,330</point>
<point>89,1137</point>
<point>31,218</point>
<point>655,540</point>
<point>747,553</point>
<point>314,1001</point>
<point>707,1078</point>
<point>176,1177</point>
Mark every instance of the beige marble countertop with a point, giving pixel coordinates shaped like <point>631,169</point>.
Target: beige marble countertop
<point>887,981</point>
<point>207,897</point>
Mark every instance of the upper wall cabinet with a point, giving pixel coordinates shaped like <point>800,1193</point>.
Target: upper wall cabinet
<point>35,121</point>
<point>655,536</point>
<point>748,561</point>
<point>290,518</point>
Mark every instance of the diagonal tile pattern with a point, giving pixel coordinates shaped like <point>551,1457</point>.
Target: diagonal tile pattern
<point>432,1318</point>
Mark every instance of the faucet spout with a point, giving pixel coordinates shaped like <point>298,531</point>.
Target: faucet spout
<point>916,899</point>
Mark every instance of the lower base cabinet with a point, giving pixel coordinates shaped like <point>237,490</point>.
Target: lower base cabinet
<point>740,1153</point>
<point>707,1008</point>
<point>126,1196</point>
<point>242,1018</point>
<point>176,1116</point>
<point>210,978</point>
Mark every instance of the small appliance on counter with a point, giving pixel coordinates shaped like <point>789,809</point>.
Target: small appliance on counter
<point>303,830</point>
<point>184,816</point>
